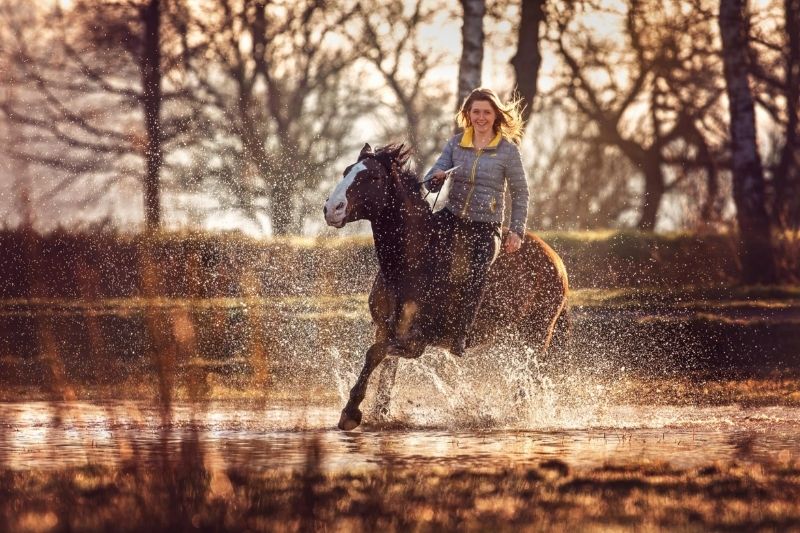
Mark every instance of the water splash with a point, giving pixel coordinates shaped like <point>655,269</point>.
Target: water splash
<point>504,386</point>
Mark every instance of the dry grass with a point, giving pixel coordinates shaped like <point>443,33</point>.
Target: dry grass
<point>183,495</point>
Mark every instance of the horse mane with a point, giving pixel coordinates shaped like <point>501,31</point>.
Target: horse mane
<point>396,157</point>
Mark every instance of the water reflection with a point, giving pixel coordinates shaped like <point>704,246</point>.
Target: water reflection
<point>47,435</point>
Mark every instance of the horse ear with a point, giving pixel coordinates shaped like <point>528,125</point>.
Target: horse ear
<point>365,152</point>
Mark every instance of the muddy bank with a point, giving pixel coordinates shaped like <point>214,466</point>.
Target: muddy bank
<point>550,496</point>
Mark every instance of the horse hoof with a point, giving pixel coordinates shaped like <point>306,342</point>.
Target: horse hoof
<point>381,415</point>
<point>347,422</point>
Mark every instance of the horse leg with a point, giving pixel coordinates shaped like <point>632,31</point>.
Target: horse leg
<point>351,415</point>
<point>408,314</point>
<point>386,380</point>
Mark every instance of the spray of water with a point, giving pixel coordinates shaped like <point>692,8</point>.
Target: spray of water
<point>504,385</point>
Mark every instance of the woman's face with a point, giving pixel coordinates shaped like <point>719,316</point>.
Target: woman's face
<point>482,117</point>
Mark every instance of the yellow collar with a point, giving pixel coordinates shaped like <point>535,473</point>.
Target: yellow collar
<point>466,140</point>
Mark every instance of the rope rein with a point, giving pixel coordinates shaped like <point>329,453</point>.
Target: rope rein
<point>447,174</point>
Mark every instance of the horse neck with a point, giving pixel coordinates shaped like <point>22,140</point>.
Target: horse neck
<point>399,229</point>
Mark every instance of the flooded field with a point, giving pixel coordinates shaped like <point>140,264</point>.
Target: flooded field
<point>688,379</point>
<point>221,415</point>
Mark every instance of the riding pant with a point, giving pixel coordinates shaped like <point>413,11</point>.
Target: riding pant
<point>463,251</point>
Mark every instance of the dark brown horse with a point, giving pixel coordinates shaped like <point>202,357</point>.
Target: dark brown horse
<point>526,291</point>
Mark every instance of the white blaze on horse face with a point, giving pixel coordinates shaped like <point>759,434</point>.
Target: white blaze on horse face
<point>336,206</point>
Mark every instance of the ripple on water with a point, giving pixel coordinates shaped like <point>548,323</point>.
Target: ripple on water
<point>56,434</point>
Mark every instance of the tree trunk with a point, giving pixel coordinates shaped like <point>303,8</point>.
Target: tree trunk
<point>755,248</point>
<point>282,208</point>
<point>653,192</point>
<point>469,69</point>
<point>151,100</point>
<point>414,126</point>
<point>528,58</point>
<point>284,178</point>
<point>787,175</point>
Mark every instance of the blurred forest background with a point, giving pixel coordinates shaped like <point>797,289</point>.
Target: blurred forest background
<point>136,116</point>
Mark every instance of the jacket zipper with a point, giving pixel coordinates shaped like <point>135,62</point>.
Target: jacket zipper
<point>472,182</point>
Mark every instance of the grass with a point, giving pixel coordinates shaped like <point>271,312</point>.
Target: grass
<point>774,390</point>
<point>715,332</point>
<point>688,296</point>
<point>632,388</point>
<point>16,306</point>
<point>72,265</point>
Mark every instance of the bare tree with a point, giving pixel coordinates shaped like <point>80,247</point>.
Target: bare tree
<point>576,184</point>
<point>102,61</point>
<point>398,52</point>
<point>789,166</point>
<point>774,62</point>
<point>150,67</point>
<point>788,171</point>
<point>748,176</point>
<point>275,105</point>
<point>650,95</point>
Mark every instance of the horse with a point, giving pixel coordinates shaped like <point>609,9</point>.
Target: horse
<point>526,290</point>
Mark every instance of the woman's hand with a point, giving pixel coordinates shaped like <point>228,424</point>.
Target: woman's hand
<point>437,178</point>
<point>513,242</point>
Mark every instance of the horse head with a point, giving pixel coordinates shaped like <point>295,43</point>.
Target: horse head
<point>369,186</point>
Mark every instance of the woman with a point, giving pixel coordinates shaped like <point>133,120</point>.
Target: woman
<point>487,158</point>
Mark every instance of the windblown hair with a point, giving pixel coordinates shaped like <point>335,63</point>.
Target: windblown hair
<point>509,115</point>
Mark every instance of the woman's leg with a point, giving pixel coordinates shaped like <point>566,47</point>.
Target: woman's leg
<point>440,261</point>
<point>481,247</point>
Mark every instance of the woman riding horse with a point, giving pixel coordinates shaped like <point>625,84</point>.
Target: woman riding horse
<point>486,159</point>
<point>526,292</point>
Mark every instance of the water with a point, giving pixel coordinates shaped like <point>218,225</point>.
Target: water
<point>52,435</point>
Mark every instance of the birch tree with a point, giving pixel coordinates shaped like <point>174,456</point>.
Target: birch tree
<point>755,247</point>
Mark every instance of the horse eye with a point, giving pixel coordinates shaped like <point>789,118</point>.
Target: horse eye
<point>371,175</point>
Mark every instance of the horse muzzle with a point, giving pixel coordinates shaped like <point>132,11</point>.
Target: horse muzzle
<point>336,216</point>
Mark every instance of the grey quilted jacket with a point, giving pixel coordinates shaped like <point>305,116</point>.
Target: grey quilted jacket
<point>479,184</point>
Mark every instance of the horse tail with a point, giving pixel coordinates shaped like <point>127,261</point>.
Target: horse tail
<point>562,329</point>
<point>559,329</point>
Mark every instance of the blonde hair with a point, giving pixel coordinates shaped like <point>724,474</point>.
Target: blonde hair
<point>509,115</point>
